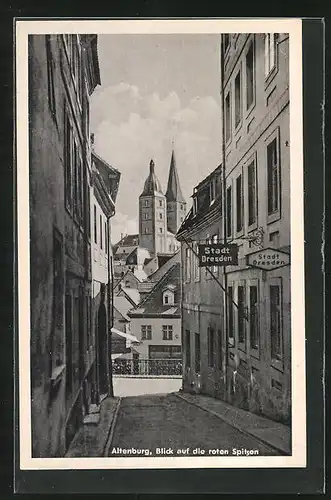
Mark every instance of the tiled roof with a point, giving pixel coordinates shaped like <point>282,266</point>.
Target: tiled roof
<point>129,240</point>
<point>132,293</point>
<point>122,304</point>
<point>152,304</point>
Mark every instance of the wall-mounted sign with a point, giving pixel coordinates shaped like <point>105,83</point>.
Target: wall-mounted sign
<point>268,259</point>
<point>218,254</point>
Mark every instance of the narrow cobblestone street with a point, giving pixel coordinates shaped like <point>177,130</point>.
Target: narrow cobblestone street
<point>163,424</point>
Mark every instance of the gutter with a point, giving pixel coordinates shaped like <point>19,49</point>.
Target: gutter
<point>225,312</point>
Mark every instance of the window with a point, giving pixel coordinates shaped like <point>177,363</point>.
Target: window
<point>214,240</point>
<point>251,176</point>
<point>212,191</point>
<point>146,230</point>
<point>161,216</point>
<point>207,273</point>
<point>181,207</point>
<point>161,230</point>
<point>197,352</point>
<point>275,322</point>
<point>79,188</point>
<point>196,264</point>
<point>273,177</point>
<point>188,348</point>
<point>167,331</point>
<point>58,282</point>
<point>237,99</point>
<point>229,211</point>
<point>76,66</point>
<point>241,314</point>
<point>146,203</point>
<point>230,316</point>
<point>50,77</point>
<point>188,264</point>
<point>68,154</point>
<point>75,177</point>
<point>146,215</point>
<point>160,203</point>
<point>218,188</point>
<point>274,239</point>
<point>168,297</point>
<point>220,361</point>
<point>211,346</point>
<point>165,352</point>
<point>270,52</point>
<point>227,117</point>
<point>106,238</point>
<point>95,225</point>
<point>146,332</point>
<point>195,205</point>
<point>101,228</point>
<point>226,41</point>
<point>253,317</point>
<point>250,76</point>
<point>239,203</point>
<point>68,342</point>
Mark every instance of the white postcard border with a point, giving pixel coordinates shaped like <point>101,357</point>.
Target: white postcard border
<point>286,25</point>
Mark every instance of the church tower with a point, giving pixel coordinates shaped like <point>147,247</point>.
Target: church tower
<point>152,215</point>
<point>176,205</point>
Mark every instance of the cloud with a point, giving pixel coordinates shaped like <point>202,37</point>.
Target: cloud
<point>122,224</point>
<point>130,129</point>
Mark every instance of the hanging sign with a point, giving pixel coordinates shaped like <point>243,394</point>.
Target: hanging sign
<point>218,254</point>
<point>268,259</point>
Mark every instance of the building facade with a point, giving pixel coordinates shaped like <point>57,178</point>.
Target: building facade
<point>63,72</point>
<point>104,186</point>
<point>245,348</point>
<point>156,320</point>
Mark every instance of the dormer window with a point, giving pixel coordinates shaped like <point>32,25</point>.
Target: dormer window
<point>168,297</point>
<point>195,205</point>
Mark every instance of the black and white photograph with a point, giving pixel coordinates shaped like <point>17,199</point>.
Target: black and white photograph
<point>160,232</point>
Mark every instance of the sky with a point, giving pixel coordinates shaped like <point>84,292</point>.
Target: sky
<point>157,92</point>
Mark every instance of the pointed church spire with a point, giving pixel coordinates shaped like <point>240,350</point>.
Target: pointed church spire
<point>174,192</point>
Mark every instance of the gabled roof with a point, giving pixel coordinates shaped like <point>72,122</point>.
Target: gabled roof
<point>122,305</point>
<point>128,240</point>
<point>152,304</point>
<point>174,192</point>
<point>162,270</point>
<point>128,272</point>
<point>132,294</point>
<point>109,173</point>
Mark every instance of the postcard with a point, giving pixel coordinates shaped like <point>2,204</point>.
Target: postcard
<point>160,244</point>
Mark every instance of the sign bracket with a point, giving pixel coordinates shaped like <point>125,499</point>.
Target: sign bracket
<point>244,315</point>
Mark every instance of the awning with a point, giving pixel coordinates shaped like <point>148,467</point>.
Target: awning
<point>126,336</point>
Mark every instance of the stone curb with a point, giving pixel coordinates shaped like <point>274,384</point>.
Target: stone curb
<point>237,427</point>
<point>111,429</point>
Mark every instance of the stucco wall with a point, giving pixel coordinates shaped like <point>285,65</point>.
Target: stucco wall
<point>157,339</point>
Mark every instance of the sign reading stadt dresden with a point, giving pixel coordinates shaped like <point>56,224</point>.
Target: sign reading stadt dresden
<point>268,259</point>
<point>218,254</point>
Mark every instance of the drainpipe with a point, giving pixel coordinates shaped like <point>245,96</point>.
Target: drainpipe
<point>110,296</point>
<point>225,315</point>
